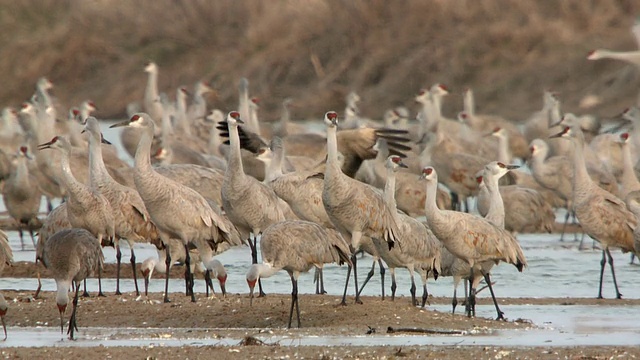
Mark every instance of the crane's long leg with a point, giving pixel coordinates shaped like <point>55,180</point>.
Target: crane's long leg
<point>369,276</point>
<point>412,290</point>
<point>254,260</point>
<point>133,268</point>
<point>613,273</point>
<point>424,276</point>
<point>294,300</point>
<point>118,261</point>
<point>602,263</point>
<point>85,293</point>
<point>633,256</point>
<point>100,293</point>
<point>487,278</point>
<point>72,321</point>
<point>394,286</point>
<point>566,221</point>
<point>33,239</point>
<point>382,271</point>
<point>354,260</point>
<point>471,301</point>
<point>454,301</point>
<point>346,285</point>
<point>319,280</point>
<point>168,264</point>
<point>187,272</point>
<point>21,237</point>
<point>35,296</point>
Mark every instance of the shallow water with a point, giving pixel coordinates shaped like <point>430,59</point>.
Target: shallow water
<point>556,269</point>
<point>559,326</point>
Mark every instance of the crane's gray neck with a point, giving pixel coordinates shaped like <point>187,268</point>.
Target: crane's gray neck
<point>333,165</point>
<point>142,159</point>
<point>496,206</point>
<point>274,167</point>
<point>151,90</point>
<point>581,179</point>
<point>259,271</point>
<point>74,186</point>
<point>430,206</point>
<point>22,171</point>
<point>628,173</point>
<point>97,170</point>
<point>234,166</point>
<point>390,190</point>
<point>469,104</point>
<point>181,114</point>
<point>504,153</point>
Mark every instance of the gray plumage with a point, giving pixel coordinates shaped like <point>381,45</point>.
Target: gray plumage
<point>469,237</point>
<point>131,219</point>
<point>21,195</point>
<point>419,250</point>
<point>250,205</point>
<point>86,207</point>
<point>602,215</point>
<point>355,208</point>
<point>178,211</point>
<point>296,246</point>
<point>71,256</point>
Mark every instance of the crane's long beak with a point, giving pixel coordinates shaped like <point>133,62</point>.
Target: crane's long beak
<point>252,285</point>
<point>512,167</point>
<point>557,123</point>
<point>104,141</point>
<point>46,145</point>
<point>556,135</point>
<point>61,309</point>
<point>120,124</point>
<point>403,165</point>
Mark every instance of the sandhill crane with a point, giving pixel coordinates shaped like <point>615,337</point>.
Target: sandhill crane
<point>554,173</point>
<point>55,221</point>
<point>6,259</point>
<point>355,208</point>
<point>132,220</point>
<point>86,207</point>
<point>628,181</point>
<point>21,195</point>
<point>296,246</point>
<point>250,205</point>
<point>526,210</point>
<point>158,264</point>
<point>355,145</point>
<point>71,255</point>
<point>631,57</point>
<point>471,238</point>
<point>420,249</point>
<point>516,143</point>
<point>603,216</point>
<point>196,222</point>
<point>633,204</point>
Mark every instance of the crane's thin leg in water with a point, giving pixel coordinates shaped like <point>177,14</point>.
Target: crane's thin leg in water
<point>412,290</point>
<point>633,256</point>
<point>321,281</point>
<point>354,259</point>
<point>118,259</point>
<point>33,239</point>
<point>425,295</point>
<point>394,286</point>
<point>100,293</point>
<point>254,260</point>
<point>613,273</point>
<point>564,226</point>
<point>493,296</point>
<point>471,301</point>
<point>35,296</point>
<point>454,301</point>
<point>166,281</point>
<point>346,285</point>
<point>369,276</point>
<point>207,279</point>
<point>72,321</point>
<point>21,237</point>
<point>602,263</point>
<point>382,271</point>
<point>188,275</point>
<point>133,268</point>
<point>85,293</point>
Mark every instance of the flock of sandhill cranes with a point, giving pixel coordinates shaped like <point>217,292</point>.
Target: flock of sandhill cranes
<point>359,187</point>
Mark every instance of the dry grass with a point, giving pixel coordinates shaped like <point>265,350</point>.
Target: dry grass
<point>318,50</point>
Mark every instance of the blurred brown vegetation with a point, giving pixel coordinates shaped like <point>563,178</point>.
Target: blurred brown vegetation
<point>318,50</point>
